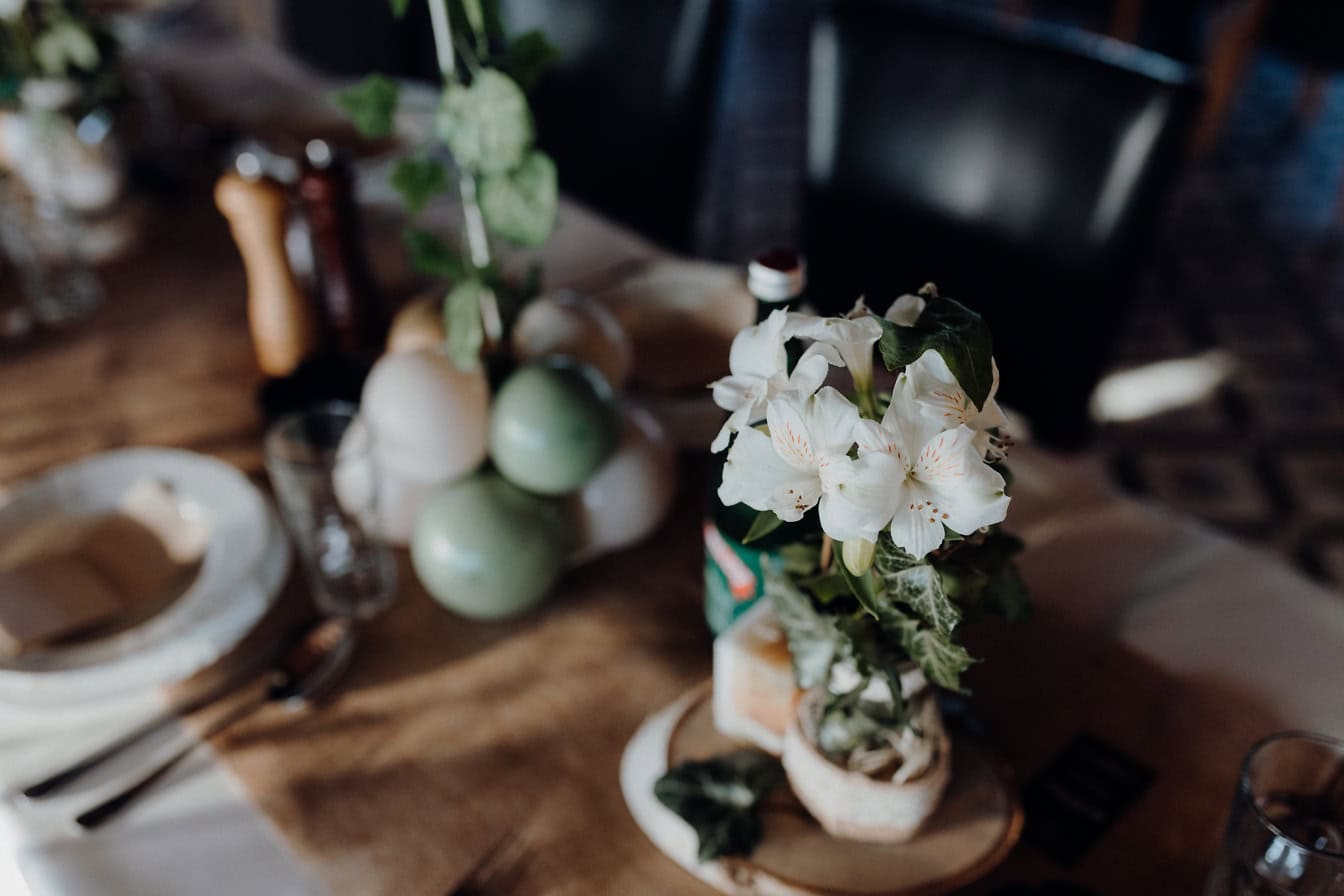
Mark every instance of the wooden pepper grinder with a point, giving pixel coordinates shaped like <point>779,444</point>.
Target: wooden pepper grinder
<point>284,330</point>
<point>353,318</point>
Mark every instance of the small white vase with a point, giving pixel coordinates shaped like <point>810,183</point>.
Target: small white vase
<point>851,805</point>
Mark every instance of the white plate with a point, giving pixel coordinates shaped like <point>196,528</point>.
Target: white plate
<point>241,572</point>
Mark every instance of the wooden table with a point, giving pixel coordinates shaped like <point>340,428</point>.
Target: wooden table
<point>1175,645</point>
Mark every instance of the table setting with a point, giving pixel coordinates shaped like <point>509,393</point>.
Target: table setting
<point>384,520</point>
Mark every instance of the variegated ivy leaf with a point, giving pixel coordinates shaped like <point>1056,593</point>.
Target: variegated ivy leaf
<point>941,659</point>
<point>487,125</point>
<point>520,205</point>
<point>65,46</point>
<point>921,589</point>
<point>462,322</point>
<point>812,637</point>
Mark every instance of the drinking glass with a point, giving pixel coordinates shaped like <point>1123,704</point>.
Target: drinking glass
<point>1286,833</point>
<point>321,462</point>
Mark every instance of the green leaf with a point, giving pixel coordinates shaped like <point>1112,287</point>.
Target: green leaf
<point>528,55</point>
<point>811,635</point>
<point>799,559</point>
<point>487,125</point>
<point>921,589</point>
<point>418,181</point>
<point>826,587</point>
<point>462,322</point>
<point>370,104</point>
<point>1007,595</point>
<point>765,523</point>
<point>432,257</point>
<point>520,205</point>
<point>954,331</point>
<point>942,660</point>
<point>719,798</point>
<point>475,16</point>
<point>399,7</point>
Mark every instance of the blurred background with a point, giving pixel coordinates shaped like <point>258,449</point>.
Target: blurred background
<point>1143,196</point>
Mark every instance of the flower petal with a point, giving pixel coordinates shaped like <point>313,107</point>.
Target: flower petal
<point>905,311</point>
<point>830,418</point>
<point>913,528</point>
<point>790,435</point>
<point>963,491</point>
<point>810,371</point>
<point>737,420</point>
<point>756,476</point>
<point>759,351</point>
<point>734,392</point>
<point>862,497</point>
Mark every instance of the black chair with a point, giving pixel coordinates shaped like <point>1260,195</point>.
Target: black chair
<point>1023,172</point>
<point>626,111</point>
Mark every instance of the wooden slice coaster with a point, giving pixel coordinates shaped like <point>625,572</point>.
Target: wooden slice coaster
<point>972,831</point>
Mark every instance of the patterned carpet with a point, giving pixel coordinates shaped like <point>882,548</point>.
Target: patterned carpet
<point>1250,261</point>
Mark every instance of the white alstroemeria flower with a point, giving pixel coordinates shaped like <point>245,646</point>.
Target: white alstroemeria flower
<point>905,311</point>
<point>942,479</point>
<point>931,385</point>
<point>804,461</point>
<point>842,340</point>
<point>758,366</point>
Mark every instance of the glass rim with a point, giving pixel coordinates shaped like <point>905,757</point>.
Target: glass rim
<point>332,408</point>
<point>1244,782</point>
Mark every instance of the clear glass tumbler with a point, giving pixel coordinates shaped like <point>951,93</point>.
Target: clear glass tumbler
<point>350,570</point>
<point>1285,836</point>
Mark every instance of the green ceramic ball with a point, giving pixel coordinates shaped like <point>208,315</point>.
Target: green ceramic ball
<point>552,425</point>
<point>488,550</point>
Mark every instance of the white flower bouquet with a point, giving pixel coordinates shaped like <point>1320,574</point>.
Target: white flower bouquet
<point>908,489</point>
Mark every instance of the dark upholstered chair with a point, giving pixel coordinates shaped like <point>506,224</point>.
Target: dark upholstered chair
<point>1021,171</point>
<point>627,109</point>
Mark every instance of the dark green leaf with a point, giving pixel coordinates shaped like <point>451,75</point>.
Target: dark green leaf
<point>418,181</point>
<point>800,559</point>
<point>954,331</point>
<point>399,7</point>
<point>462,322</point>
<point>718,798</point>
<point>825,587</point>
<point>1007,595</point>
<point>520,205</point>
<point>765,523</point>
<point>370,104</point>
<point>528,55</point>
<point>811,635</point>
<point>432,257</point>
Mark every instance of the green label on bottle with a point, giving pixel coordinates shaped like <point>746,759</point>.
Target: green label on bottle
<point>734,577</point>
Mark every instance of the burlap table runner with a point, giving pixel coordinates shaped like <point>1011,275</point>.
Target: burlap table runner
<point>449,734</point>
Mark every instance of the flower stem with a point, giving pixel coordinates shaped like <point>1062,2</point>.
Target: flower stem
<point>443,39</point>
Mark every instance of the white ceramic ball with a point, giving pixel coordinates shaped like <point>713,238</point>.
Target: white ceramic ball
<point>566,323</point>
<point>429,419</point>
<point>630,494</point>
<point>399,496</point>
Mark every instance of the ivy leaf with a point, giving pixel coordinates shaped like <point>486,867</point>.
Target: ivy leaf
<point>528,55</point>
<point>370,105</point>
<point>941,659</point>
<point>765,523</point>
<point>921,589</point>
<point>462,322</point>
<point>432,257</point>
<point>418,181</point>
<point>719,797</point>
<point>487,125</point>
<point>520,205</point>
<point>399,7</point>
<point>954,331</point>
<point>811,635</point>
